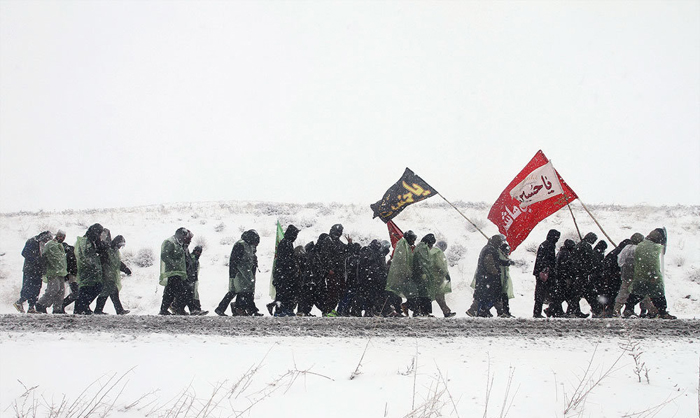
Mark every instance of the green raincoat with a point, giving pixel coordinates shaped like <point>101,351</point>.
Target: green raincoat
<point>439,285</point>
<point>172,261</point>
<point>401,270</point>
<point>89,265</point>
<point>55,260</point>
<point>422,273</point>
<point>244,280</point>
<point>111,278</point>
<point>506,282</point>
<point>648,270</point>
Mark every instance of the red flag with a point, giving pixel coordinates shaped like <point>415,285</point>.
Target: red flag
<point>395,233</point>
<point>535,193</point>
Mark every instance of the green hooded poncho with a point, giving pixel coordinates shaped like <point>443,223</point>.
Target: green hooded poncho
<point>172,260</point>
<point>55,260</point>
<point>401,270</point>
<point>422,273</point>
<point>648,270</point>
<point>244,279</point>
<point>111,278</point>
<point>506,282</point>
<point>439,285</point>
<point>89,265</point>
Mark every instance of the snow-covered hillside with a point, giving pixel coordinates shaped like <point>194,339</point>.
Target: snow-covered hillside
<point>217,225</point>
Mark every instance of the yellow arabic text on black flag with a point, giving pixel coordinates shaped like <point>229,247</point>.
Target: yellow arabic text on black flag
<point>409,189</point>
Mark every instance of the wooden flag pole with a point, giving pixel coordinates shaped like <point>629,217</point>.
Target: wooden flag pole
<point>460,212</point>
<point>568,205</point>
<point>596,222</point>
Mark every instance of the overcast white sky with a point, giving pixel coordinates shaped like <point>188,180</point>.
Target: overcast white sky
<point>124,103</point>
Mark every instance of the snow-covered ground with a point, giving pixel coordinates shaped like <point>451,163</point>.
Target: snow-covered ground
<point>297,376</point>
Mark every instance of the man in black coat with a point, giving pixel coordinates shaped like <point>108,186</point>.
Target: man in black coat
<point>562,279</point>
<point>582,263</point>
<point>488,276</point>
<point>32,271</point>
<point>544,268</point>
<point>285,277</point>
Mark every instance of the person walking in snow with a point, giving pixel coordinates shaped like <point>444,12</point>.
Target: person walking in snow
<point>193,304</point>
<point>611,280</point>
<point>626,262</point>
<point>563,280</point>
<point>56,270</point>
<point>243,265</point>
<point>487,278</point>
<point>582,263</point>
<point>32,271</point>
<point>88,252</point>
<point>71,278</point>
<point>595,279</point>
<point>111,277</point>
<point>173,272</point>
<point>504,263</point>
<point>332,253</point>
<point>544,268</point>
<point>399,278</point>
<point>285,276</point>
<point>649,274</point>
<point>441,283</point>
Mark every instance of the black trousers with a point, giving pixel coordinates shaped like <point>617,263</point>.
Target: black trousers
<point>223,305</point>
<point>540,294</point>
<point>307,298</point>
<point>175,294</point>
<point>86,295</point>
<point>101,300</point>
<point>31,287</point>
<point>246,302</point>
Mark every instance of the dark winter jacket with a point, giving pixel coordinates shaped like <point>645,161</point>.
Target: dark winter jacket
<point>31,252</point>
<point>546,258</point>
<point>286,273</point>
<point>488,271</point>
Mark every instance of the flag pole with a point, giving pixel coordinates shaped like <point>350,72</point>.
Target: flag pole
<point>568,205</point>
<point>589,213</point>
<point>460,212</point>
<point>596,222</point>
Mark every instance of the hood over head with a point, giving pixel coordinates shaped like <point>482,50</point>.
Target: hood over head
<point>93,232</point>
<point>657,236</point>
<point>553,235</point>
<point>251,237</point>
<point>569,244</point>
<point>591,238</point>
<point>636,238</point>
<point>601,246</point>
<point>336,231</point>
<point>497,240</point>
<point>429,239</point>
<point>291,233</point>
<point>410,236</point>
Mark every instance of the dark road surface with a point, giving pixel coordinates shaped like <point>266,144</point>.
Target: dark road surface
<point>354,327</point>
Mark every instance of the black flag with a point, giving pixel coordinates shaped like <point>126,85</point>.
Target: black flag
<point>409,189</point>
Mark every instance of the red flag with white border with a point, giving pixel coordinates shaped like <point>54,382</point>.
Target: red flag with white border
<point>535,193</point>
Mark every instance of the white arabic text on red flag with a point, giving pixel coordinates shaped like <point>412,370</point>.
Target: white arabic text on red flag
<point>535,193</point>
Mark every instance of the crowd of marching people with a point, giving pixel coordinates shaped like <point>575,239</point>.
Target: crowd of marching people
<point>344,278</point>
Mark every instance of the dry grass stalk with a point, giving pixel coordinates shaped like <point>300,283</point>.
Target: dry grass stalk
<point>586,384</point>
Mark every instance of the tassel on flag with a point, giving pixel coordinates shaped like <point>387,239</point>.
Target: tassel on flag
<point>536,192</point>
<point>409,189</point>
